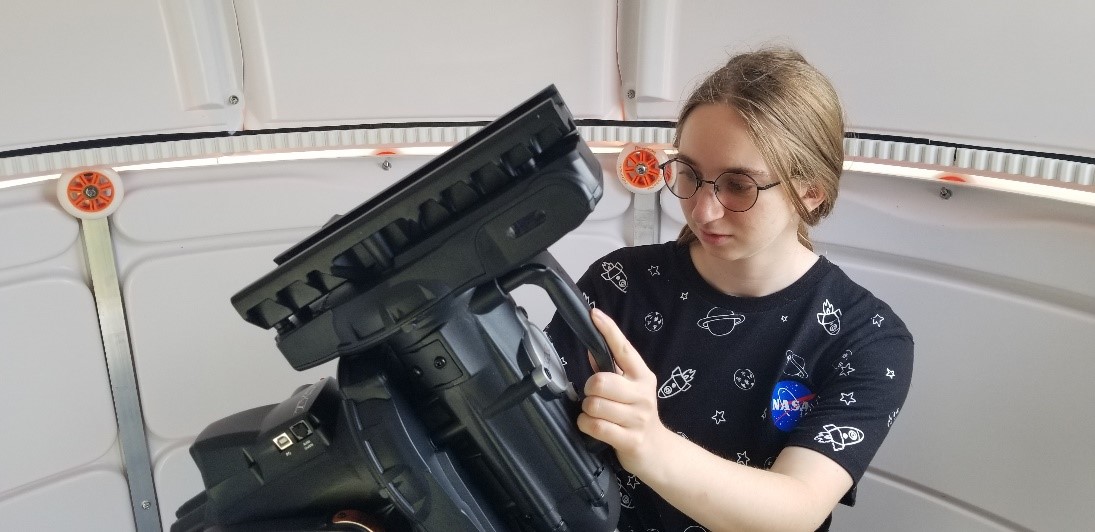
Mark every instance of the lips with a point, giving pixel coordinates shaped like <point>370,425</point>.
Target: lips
<point>714,238</point>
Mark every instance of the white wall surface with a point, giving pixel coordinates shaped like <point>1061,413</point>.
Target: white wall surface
<point>996,287</point>
<point>998,74</point>
<point>90,70</point>
<point>348,62</point>
<point>59,466</point>
<point>982,72</point>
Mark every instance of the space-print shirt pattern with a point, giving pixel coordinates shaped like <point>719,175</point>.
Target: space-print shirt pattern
<point>821,364</point>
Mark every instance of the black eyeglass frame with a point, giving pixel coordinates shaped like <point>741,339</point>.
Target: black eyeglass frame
<point>714,185</point>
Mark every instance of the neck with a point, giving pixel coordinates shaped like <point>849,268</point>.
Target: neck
<point>757,275</point>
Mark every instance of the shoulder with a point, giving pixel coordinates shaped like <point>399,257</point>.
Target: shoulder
<point>652,257</point>
<point>641,254</point>
<point>844,304</point>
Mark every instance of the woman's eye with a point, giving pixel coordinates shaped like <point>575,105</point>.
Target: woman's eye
<point>737,186</point>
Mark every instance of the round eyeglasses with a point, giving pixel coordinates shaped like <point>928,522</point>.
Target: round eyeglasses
<point>736,192</point>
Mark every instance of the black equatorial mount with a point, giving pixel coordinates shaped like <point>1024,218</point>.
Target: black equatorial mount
<point>451,411</point>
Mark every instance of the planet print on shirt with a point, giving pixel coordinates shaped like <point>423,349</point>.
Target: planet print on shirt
<point>790,401</point>
<point>744,378</point>
<point>720,322</point>
<point>654,321</point>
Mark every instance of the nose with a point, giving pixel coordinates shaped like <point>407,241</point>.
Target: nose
<point>704,206</point>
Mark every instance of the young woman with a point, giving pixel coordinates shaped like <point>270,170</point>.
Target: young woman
<point>754,379</point>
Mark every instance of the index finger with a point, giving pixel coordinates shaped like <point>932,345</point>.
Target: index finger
<point>627,358</point>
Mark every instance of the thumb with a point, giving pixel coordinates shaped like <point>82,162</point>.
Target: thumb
<point>628,361</point>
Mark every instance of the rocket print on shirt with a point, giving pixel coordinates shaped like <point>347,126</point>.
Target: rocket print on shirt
<point>614,273</point>
<point>840,437</point>
<point>829,318</point>
<point>679,381</point>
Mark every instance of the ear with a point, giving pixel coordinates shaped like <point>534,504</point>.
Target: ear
<point>812,196</point>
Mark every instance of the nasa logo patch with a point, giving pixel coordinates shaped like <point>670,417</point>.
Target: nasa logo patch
<point>790,401</point>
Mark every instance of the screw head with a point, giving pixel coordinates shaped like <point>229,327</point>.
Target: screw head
<point>146,505</point>
<point>233,99</point>
<point>386,165</point>
<point>440,362</point>
<point>631,94</point>
<point>945,193</point>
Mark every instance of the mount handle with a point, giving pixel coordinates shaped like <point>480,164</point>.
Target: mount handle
<point>543,271</point>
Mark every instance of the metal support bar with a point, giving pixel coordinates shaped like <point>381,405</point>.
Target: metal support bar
<point>647,219</point>
<point>136,460</point>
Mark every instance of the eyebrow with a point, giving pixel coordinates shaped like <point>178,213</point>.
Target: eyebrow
<point>733,169</point>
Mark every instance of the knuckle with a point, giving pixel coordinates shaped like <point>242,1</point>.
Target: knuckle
<point>591,405</point>
<point>595,385</point>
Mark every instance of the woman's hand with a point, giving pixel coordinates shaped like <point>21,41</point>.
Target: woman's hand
<point>621,407</point>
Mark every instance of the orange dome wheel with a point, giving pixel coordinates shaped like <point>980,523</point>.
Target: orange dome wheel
<point>90,193</point>
<point>954,178</point>
<point>638,168</point>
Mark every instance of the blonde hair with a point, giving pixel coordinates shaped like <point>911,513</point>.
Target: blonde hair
<point>794,118</point>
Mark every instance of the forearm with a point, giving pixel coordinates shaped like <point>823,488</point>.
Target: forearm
<point>723,495</point>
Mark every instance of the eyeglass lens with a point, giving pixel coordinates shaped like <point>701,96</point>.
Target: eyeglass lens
<point>736,192</point>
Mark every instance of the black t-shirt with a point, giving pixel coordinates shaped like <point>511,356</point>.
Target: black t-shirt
<point>821,364</point>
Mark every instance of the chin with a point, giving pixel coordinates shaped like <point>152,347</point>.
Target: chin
<point>727,250</point>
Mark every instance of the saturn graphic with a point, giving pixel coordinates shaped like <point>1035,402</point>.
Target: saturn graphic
<point>797,364</point>
<point>720,322</point>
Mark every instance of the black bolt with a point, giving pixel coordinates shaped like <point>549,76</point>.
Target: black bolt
<point>439,362</point>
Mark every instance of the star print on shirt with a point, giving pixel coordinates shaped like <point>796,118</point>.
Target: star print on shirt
<point>845,368</point>
<point>847,398</point>
<point>890,373</point>
<point>877,320</point>
<point>719,417</point>
<point>684,295</point>
<point>653,271</point>
<point>633,481</point>
<point>783,319</point>
<point>743,458</point>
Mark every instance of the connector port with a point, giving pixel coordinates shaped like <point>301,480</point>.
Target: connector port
<point>301,430</point>
<point>283,441</point>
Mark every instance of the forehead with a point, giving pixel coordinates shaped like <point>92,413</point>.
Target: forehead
<point>715,137</point>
